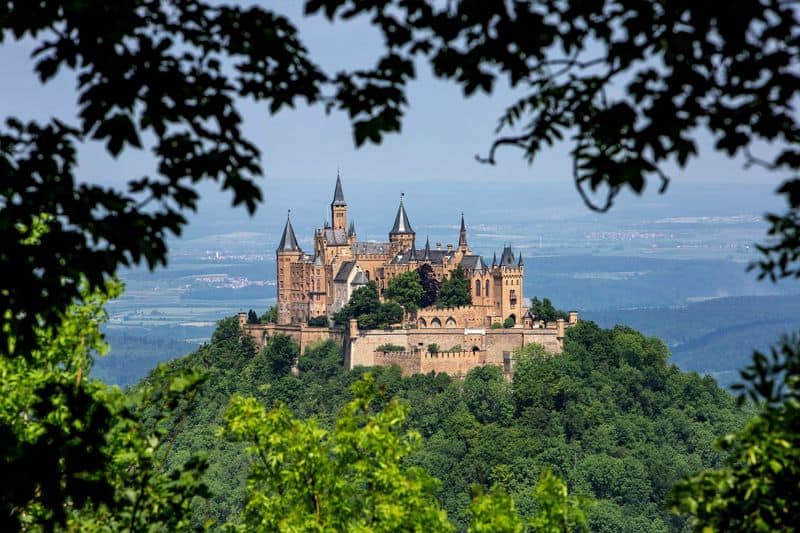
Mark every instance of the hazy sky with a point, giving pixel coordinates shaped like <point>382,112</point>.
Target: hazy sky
<point>302,149</point>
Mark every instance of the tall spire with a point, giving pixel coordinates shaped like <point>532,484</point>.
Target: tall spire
<point>494,260</point>
<point>351,230</point>
<point>338,195</point>
<point>401,224</point>
<point>462,235</point>
<point>413,255</point>
<point>427,255</point>
<point>520,262</point>
<point>288,240</point>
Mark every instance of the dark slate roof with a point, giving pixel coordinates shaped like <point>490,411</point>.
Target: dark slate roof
<point>401,223</point>
<point>507,259</point>
<point>472,262</point>
<point>351,230</point>
<point>335,236</point>
<point>360,279</point>
<point>494,260</point>
<point>288,240</point>
<point>338,195</point>
<point>344,271</point>
<point>520,262</point>
<point>361,248</point>
<point>435,256</point>
<point>317,260</point>
<point>426,255</point>
<point>462,234</point>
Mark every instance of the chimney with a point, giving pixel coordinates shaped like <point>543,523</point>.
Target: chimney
<point>449,247</point>
<point>438,246</point>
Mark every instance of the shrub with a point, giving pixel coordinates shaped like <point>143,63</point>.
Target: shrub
<point>497,325</point>
<point>433,348</point>
<point>390,348</point>
<point>509,323</point>
<point>318,321</point>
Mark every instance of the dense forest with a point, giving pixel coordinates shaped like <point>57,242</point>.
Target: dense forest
<point>611,416</point>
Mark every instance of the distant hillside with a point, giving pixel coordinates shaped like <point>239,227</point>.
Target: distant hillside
<point>607,283</point>
<point>715,336</point>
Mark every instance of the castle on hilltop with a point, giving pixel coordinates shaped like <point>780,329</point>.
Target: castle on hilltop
<point>314,285</point>
<point>319,282</point>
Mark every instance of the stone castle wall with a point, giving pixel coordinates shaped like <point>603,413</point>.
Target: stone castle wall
<point>302,335</point>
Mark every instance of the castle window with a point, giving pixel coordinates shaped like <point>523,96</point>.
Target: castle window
<point>477,287</point>
<point>487,288</point>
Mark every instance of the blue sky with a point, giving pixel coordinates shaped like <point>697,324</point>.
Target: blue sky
<point>303,148</point>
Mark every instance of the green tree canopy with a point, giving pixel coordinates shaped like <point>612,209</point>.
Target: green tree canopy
<point>454,290</point>
<point>545,310</point>
<point>406,290</point>
<point>430,285</point>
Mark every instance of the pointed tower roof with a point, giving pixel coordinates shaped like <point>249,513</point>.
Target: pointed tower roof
<point>317,260</point>
<point>494,260</point>
<point>338,195</point>
<point>352,229</point>
<point>520,262</point>
<point>507,257</point>
<point>462,234</point>
<point>288,240</point>
<point>412,256</point>
<point>401,224</point>
<point>427,255</point>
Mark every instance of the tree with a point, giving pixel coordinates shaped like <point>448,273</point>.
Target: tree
<point>363,301</point>
<point>318,321</point>
<point>252,317</point>
<point>630,84</point>
<point>281,353</point>
<point>454,290</point>
<point>429,284</point>
<point>270,316</point>
<point>406,290</point>
<point>755,490</point>
<point>509,323</point>
<point>352,478</point>
<point>545,310</point>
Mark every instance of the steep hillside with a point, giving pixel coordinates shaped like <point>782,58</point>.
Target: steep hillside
<point>611,416</point>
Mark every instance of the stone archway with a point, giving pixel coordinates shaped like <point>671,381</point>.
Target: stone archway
<point>436,323</point>
<point>422,324</point>
<point>450,322</point>
<point>513,317</point>
<point>475,349</point>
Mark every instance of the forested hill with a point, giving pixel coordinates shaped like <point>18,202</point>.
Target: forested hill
<point>611,416</point>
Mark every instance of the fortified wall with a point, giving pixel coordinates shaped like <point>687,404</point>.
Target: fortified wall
<point>459,349</point>
<point>301,334</point>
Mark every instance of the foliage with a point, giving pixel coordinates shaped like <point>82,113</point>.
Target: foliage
<point>252,317</point>
<point>318,321</point>
<point>281,353</point>
<point>631,85</point>
<point>545,310</point>
<point>352,478</point>
<point>390,348</point>
<point>557,511</point>
<point>433,348</point>
<point>406,290</point>
<point>429,284</point>
<point>270,316</point>
<point>755,490</point>
<point>454,290</point>
<point>509,323</point>
<point>73,452</point>
<point>497,325</point>
<point>365,306</point>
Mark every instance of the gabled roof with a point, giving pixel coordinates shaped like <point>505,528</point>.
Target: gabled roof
<point>361,248</point>
<point>401,224</point>
<point>434,256</point>
<point>360,279</point>
<point>472,262</point>
<point>344,271</point>
<point>288,240</point>
<point>338,195</point>
<point>335,237</point>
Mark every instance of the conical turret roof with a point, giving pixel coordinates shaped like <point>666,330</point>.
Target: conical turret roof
<point>427,255</point>
<point>288,240</point>
<point>462,234</point>
<point>520,262</point>
<point>338,195</point>
<point>401,224</point>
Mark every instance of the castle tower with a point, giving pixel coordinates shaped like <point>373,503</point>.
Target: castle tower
<point>288,252</point>
<point>508,278</point>
<point>339,207</point>
<point>463,247</point>
<point>402,234</point>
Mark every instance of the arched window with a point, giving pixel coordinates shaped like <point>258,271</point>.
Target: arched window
<point>477,287</point>
<point>450,323</point>
<point>436,323</point>
<point>366,273</point>
<point>422,323</point>
<point>487,288</point>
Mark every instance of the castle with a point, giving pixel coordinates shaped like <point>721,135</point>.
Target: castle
<point>313,286</point>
